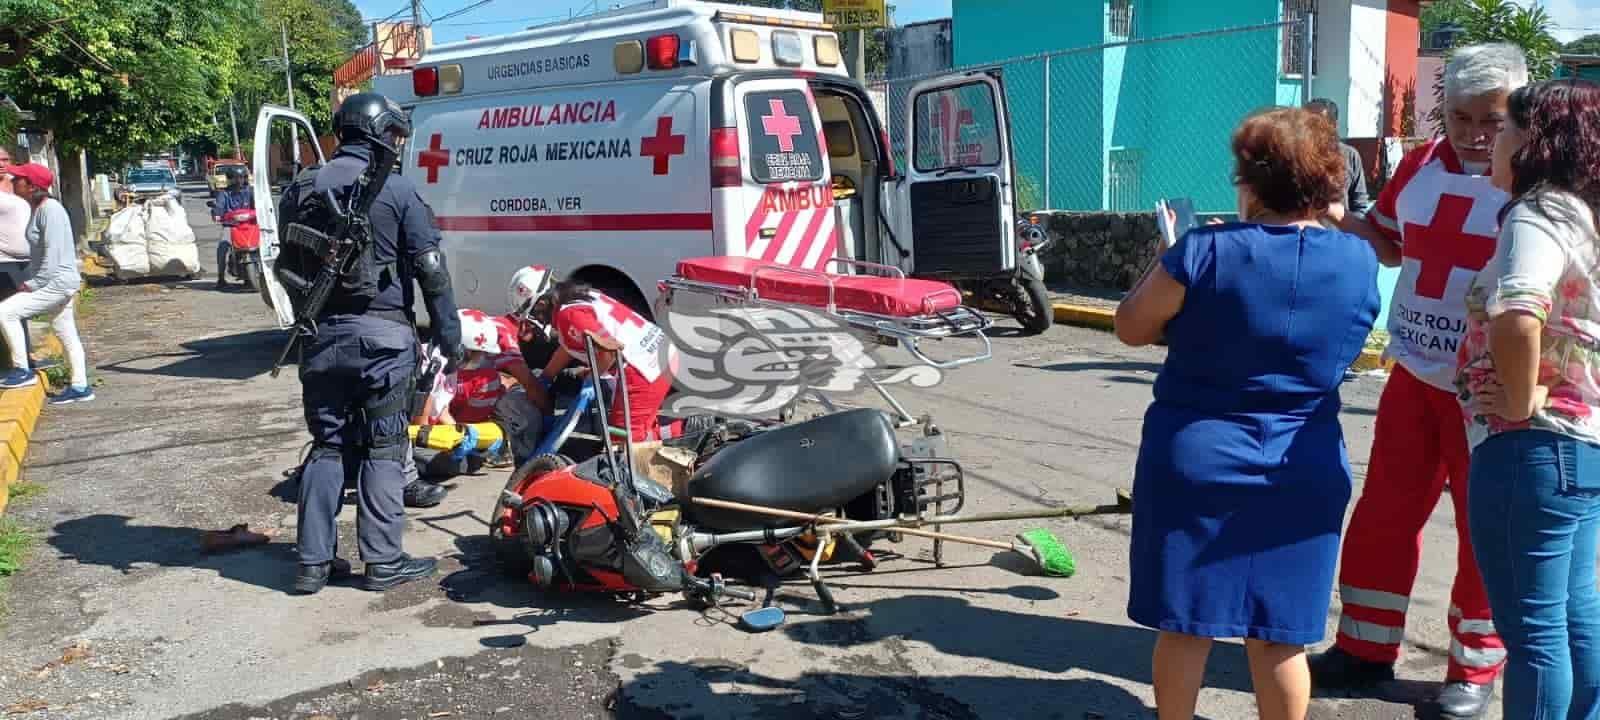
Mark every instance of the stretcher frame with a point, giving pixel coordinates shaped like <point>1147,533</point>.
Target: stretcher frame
<point>875,328</point>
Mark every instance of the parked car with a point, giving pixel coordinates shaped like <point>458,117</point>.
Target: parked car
<point>218,177</point>
<point>146,181</point>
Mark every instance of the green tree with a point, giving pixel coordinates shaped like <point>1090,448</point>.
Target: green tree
<point>1441,13</point>
<point>322,35</point>
<point>1487,21</point>
<point>119,78</point>
<point>1586,45</point>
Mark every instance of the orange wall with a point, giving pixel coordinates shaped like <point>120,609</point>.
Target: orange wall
<point>1402,42</point>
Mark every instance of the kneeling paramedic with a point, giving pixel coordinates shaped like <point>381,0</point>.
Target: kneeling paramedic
<point>357,372</point>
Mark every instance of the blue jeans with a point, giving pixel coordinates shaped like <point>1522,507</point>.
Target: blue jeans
<point>1534,511</point>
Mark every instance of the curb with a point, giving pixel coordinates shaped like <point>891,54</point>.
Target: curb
<point>1085,316</point>
<point>1105,319</point>
<point>19,411</point>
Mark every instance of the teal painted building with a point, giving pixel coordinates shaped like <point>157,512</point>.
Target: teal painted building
<point>1129,121</point>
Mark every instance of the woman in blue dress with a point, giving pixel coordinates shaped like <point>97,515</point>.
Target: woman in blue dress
<point>1242,479</point>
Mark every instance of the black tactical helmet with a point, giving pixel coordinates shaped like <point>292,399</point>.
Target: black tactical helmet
<point>370,116</point>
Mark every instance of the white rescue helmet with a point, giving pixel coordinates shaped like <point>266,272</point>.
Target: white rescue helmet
<point>479,332</point>
<point>527,286</point>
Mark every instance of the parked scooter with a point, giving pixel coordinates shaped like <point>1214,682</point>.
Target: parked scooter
<point>1021,291</point>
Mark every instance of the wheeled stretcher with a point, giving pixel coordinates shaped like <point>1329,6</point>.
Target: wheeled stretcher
<point>877,302</point>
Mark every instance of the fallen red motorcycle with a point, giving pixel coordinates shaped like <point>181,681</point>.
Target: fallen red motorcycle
<point>780,489</point>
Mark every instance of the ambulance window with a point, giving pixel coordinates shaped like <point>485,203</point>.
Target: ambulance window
<point>783,140</point>
<point>956,127</point>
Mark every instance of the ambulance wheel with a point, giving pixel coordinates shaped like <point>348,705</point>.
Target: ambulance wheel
<point>510,552</point>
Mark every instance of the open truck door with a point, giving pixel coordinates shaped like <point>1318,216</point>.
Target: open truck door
<point>267,205</point>
<point>955,206</point>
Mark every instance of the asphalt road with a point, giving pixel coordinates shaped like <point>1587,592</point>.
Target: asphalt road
<point>119,615</point>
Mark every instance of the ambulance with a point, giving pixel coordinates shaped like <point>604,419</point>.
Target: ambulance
<point>613,145</point>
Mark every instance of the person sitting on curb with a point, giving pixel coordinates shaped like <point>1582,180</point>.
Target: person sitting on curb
<point>51,288</point>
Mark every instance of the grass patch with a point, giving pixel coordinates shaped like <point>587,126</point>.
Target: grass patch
<point>16,541</point>
<point>23,490</point>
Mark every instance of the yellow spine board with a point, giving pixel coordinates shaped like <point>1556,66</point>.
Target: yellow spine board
<point>447,437</point>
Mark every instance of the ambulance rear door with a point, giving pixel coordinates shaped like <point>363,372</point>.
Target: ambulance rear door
<point>780,206</point>
<point>956,202</point>
<point>270,117</point>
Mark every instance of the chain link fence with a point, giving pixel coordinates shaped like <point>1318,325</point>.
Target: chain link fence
<point>1112,127</point>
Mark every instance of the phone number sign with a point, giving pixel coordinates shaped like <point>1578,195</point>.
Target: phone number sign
<point>854,14</point>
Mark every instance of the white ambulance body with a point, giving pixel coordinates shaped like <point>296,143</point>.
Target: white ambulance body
<point>614,145</point>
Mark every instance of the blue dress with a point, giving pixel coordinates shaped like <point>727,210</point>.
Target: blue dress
<point>1242,478</point>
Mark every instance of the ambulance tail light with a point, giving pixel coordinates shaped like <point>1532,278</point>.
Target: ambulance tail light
<point>661,52</point>
<point>425,81</point>
<point>726,164</point>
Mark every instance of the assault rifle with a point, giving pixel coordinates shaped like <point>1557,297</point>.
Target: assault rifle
<point>340,248</point>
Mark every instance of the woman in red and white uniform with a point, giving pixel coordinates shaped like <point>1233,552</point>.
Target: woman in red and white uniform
<point>577,312</point>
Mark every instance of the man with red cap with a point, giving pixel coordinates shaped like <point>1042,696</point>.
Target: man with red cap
<point>51,287</point>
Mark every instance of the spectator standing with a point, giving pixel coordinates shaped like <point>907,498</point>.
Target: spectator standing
<point>1436,219</point>
<point>14,254</point>
<point>51,288</point>
<point>1530,382</point>
<point>1355,176</point>
<point>1242,479</point>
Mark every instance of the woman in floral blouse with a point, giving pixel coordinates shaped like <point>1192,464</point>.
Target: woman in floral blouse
<point>1530,388</point>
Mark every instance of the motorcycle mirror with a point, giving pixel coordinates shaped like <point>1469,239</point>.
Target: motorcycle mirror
<point>762,619</point>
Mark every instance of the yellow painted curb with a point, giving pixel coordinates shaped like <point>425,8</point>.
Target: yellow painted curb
<point>1103,318</point>
<point>19,413</point>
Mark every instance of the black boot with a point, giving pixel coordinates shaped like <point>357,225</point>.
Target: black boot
<point>1461,700</point>
<point>423,494</point>
<point>1339,670</point>
<point>401,570</point>
<point>312,578</point>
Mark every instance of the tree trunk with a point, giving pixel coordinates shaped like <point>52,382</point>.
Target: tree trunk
<point>75,194</point>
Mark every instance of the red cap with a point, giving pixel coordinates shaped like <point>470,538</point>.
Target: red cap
<point>38,175</point>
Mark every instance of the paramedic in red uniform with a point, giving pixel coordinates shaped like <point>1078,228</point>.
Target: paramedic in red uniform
<point>1437,220</point>
<point>576,311</point>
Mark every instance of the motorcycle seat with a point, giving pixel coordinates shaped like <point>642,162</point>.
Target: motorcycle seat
<point>812,466</point>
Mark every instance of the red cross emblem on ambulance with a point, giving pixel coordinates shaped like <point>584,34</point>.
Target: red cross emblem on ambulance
<point>434,157</point>
<point>781,125</point>
<point>662,146</point>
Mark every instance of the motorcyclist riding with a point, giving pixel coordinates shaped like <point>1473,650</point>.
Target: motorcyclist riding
<point>238,195</point>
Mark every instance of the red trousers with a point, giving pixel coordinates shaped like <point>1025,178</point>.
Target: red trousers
<point>1419,447</point>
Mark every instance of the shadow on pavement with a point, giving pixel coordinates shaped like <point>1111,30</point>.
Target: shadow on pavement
<point>685,689</point>
<point>1108,365</point>
<point>230,357</point>
<point>110,540</point>
<point>957,627</point>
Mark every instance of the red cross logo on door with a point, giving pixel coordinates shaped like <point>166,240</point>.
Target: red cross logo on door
<point>781,125</point>
<point>1444,245</point>
<point>662,146</point>
<point>434,157</point>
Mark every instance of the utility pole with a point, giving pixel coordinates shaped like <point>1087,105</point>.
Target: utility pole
<point>416,26</point>
<point>856,53</point>
<point>288,80</point>
<point>238,151</point>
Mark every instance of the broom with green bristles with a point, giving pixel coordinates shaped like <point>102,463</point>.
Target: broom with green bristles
<point>1038,544</point>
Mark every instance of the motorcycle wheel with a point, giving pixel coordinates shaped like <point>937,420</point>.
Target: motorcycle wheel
<point>512,558</point>
<point>1033,307</point>
<point>252,277</point>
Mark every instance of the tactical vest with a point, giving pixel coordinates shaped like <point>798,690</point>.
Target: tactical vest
<point>308,244</point>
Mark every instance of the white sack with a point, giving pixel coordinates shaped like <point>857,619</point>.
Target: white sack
<point>170,240</point>
<point>125,242</point>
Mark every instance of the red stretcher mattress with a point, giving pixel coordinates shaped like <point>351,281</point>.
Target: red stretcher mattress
<point>895,297</point>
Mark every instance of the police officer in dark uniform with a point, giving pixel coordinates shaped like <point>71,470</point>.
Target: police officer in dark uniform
<point>358,372</point>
